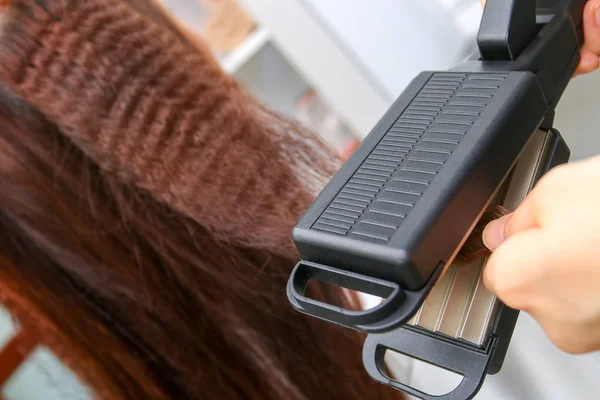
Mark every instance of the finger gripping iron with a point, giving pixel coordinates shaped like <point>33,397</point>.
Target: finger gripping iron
<point>392,220</point>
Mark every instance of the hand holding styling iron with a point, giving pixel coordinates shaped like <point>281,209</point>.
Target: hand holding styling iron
<point>545,256</point>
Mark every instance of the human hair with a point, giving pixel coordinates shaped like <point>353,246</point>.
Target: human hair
<point>146,211</point>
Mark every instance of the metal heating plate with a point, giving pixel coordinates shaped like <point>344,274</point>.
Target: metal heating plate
<point>459,305</point>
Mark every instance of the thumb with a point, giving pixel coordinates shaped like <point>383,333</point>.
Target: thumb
<point>494,233</point>
<point>524,218</point>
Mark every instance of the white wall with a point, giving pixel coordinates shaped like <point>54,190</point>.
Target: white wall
<point>394,40</point>
<point>578,116</point>
<point>269,76</point>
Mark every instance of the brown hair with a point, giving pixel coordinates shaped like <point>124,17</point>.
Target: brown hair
<point>474,248</point>
<point>146,211</point>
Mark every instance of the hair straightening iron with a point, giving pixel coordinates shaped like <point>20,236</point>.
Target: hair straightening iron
<point>392,220</point>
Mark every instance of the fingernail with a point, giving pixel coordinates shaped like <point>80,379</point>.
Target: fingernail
<point>493,234</point>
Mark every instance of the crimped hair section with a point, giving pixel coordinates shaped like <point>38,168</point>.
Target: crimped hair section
<point>148,109</point>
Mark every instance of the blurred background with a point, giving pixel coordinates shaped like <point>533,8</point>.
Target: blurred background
<point>335,65</point>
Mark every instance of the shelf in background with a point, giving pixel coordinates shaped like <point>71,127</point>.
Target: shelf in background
<point>232,46</point>
<point>268,75</point>
<point>245,50</point>
<point>253,44</point>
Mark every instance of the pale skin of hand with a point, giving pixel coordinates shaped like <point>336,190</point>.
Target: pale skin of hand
<point>546,255</point>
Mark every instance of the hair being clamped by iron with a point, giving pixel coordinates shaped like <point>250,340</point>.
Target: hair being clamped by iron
<point>474,248</point>
<point>402,219</point>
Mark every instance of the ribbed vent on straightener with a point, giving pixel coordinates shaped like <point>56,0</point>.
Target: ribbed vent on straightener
<point>376,200</point>
<point>402,166</point>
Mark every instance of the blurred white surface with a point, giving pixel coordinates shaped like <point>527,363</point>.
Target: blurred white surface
<point>395,40</point>
<point>7,327</point>
<point>578,116</point>
<point>44,377</point>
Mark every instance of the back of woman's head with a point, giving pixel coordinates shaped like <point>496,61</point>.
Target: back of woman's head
<point>146,208</point>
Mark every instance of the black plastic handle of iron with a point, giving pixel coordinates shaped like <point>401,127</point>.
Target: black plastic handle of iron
<point>508,27</point>
<point>509,39</point>
<point>397,308</point>
<point>447,354</point>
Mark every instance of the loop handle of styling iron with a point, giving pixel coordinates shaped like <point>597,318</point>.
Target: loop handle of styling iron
<point>430,349</point>
<point>397,308</point>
